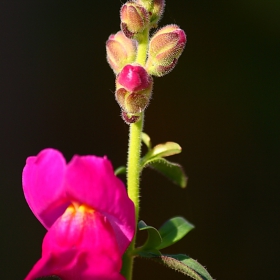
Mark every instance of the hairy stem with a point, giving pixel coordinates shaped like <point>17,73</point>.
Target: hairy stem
<point>133,178</point>
<point>142,47</point>
<point>133,164</point>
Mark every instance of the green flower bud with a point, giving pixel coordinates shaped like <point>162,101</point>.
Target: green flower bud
<point>134,19</point>
<point>120,51</point>
<point>165,48</point>
<point>155,9</point>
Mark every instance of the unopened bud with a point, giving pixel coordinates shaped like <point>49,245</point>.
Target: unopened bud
<point>134,19</point>
<point>120,51</point>
<point>155,9</point>
<point>165,48</point>
<point>133,88</point>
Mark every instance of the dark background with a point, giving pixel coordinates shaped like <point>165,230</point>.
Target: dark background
<point>221,104</point>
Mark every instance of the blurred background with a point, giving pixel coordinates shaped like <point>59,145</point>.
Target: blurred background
<point>221,104</point>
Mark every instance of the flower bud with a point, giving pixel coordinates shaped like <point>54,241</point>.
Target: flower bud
<point>134,19</point>
<point>155,9</point>
<point>120,51</point>
<point>133,88</point>
<point>165,48</point>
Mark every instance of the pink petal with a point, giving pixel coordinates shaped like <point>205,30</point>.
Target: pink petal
<point>134,78</point>
<point>91,180</point>
<point>43,178</point>
<point>79,245</point>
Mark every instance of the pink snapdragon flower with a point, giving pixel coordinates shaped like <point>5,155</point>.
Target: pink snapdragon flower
<point>87,212</point>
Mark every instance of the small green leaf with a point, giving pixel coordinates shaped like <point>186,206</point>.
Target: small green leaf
<point>199,269</point>
<point>120,170</point>
<point>173,230</point>
<point>172,171</point>
<point>162,150</point>
<point>184,264</point>
<point>166,149</point>
<point>146,140</point>
<point>153,240</point>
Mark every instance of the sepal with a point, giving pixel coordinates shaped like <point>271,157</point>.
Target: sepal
<point>130,118</point>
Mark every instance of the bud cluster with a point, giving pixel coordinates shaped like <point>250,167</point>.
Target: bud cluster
<point>134,81</point>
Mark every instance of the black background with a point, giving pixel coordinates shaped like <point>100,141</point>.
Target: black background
<point>221,104</point>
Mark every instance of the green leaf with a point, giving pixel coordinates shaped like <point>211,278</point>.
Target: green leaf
<point>199,270</point>
<point>160,151</point>
<point>153,240</point>
<point>184,264</point>
<point>172,171</point>
<point>166,149</point>
<point>120,170</point>
<point>173,230</point>
<point>146,140</point>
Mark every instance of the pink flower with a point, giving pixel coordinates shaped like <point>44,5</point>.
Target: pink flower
<point>86,210</point>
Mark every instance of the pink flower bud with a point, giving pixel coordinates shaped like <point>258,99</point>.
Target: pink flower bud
<point>134,19</point>
<point>134,78</point>
<point>165,48</point>
<point>133,88</point>
<point>155,8</point>
<point>120,51</point>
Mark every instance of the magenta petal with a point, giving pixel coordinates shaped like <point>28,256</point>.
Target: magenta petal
<point>91,180</point>
<point>79,246</point>
<point>43,177</point>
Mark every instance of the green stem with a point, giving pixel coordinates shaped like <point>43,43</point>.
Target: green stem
<point>133,164</point>
<point>133,178</point>
<point>142,47</point>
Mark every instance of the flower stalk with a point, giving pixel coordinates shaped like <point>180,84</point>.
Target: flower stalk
<point>143,43</point>
<point>133,164</point>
